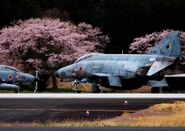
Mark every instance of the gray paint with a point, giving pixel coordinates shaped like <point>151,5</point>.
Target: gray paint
<point>10,77</point>
<point>127,71</point>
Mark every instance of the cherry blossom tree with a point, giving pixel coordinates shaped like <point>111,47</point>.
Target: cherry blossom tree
<point>48,43</point>
<point>144,43</point>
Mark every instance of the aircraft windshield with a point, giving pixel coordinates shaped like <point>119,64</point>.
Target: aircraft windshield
<point>9,68</point>
<point>86,56</point>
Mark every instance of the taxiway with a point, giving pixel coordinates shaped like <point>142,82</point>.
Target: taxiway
<point>14,109</point>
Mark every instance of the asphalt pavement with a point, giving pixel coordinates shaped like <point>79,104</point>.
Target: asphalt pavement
<point>44,110</point>
<point>61,109</point>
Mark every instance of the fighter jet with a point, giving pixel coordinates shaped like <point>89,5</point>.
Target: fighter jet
<point>127,71</point>
<point>10,78</point>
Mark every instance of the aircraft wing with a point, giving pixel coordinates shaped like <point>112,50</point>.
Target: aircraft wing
<point>101,74</point>
<point>159,65</point>
<point>113,80</point>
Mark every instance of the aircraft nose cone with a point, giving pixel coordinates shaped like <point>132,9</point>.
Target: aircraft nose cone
<point>56,74</point>
<point>31,78</point>
<point>28,78</point>
<point>36,79</point>
<point>60,73</point>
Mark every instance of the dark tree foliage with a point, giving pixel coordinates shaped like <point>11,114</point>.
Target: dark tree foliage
<point>123,20</point>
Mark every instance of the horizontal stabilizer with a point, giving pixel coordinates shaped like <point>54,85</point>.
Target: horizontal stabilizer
<point>114,81</point>
<point>159,65</point>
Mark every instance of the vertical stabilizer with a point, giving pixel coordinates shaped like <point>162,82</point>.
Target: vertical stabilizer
<point>168,46</point>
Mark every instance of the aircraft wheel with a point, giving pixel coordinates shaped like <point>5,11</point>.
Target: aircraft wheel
<point>76,90</point>
<point>79,91</point>
<point>155,90</point>
<point>95,87</point>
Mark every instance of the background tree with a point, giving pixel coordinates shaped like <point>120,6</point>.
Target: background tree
<point>144,43</point>
<point>123,20</point>
<point>48,43</point>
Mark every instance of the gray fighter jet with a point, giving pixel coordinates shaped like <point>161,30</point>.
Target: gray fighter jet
<point>10,78</point>
<point>127,71</point>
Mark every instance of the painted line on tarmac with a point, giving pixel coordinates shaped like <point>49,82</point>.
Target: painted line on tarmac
<point>90,96</point>
<point>67,110</point>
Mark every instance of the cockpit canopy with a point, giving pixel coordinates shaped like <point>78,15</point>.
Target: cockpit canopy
<point>86,56</point>
<point>5,67</point>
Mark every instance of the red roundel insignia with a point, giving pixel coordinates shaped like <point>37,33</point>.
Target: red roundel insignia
<point>10,77</point>
<point>81,68</point>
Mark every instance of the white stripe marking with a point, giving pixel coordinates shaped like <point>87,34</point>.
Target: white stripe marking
<point>90,96</point>
<point>68,110</point>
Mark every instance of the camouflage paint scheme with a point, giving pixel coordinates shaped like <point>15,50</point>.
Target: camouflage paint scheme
<point>127,71</point>
<point>10,77</point>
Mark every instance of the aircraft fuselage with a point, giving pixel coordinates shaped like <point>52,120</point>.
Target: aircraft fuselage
<point>129,69</point>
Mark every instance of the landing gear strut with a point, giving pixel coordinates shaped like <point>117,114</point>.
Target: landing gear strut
<point>95,87</point>
<point>75,89</point>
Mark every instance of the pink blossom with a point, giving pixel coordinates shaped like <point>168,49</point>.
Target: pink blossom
<point>49,42</point>
<point>144,43</point>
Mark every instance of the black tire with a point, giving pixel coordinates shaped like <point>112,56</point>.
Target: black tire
<point>155,90</point>
<point>77,91</point>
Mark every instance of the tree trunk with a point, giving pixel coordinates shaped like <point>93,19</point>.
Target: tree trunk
<point>54,81</point>
<point>43,80</point>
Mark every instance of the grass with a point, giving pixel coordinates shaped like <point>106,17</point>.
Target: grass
<point>48,90</point>
<point>56,90</point>
<point>86,87</point>
<point>177,119</point>
<point>66,87</point>
<point>172,114</point>
<point>176,106</point>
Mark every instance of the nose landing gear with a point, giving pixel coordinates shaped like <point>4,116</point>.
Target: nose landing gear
<point>75,88</point>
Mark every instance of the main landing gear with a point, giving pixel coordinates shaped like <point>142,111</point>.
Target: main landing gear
<point>94,87</point>
<point>75,88</point>
<point>155,90</point>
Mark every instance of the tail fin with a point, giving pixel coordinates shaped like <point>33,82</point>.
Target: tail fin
<point>168,46</point>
